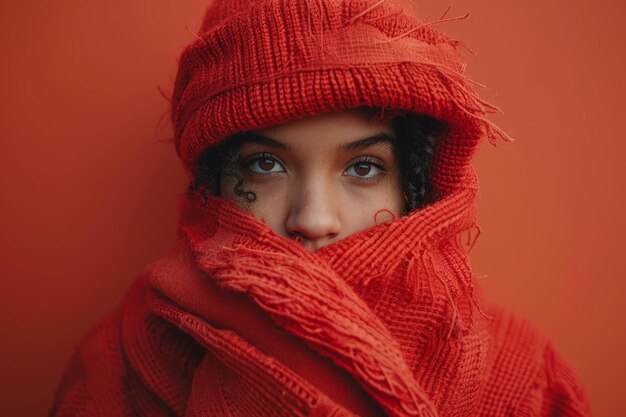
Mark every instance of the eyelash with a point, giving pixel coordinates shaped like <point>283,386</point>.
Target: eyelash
<point>374,162</point>
<point>257,157</point>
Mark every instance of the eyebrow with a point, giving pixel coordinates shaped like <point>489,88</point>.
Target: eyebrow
<point>264,140</point>
<point>255,137</point>
<point>365,142</point>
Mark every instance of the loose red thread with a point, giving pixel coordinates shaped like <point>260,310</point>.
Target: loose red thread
<point>393,215</point>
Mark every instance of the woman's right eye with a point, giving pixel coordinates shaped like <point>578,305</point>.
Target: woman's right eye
<point>264,165</point>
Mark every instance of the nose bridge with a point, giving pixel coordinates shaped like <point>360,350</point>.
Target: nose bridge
<point>314,212</point>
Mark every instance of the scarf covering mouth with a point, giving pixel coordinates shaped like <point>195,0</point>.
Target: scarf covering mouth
<point>355,302</point>
<point>239,321</point>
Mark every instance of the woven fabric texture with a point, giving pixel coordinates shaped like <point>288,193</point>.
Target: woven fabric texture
<point>239,321</point>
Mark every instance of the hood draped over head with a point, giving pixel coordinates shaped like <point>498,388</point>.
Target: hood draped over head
<point>238,320</point>
<point>259,63</point>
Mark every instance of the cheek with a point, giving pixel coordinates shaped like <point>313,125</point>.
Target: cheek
<point>270,205</point>
<point>271,209</point>
<point>367,207</point>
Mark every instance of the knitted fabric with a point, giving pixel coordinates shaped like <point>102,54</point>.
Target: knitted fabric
<point>239,321</point>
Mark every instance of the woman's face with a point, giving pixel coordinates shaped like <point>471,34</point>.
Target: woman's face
<point>321,178</point>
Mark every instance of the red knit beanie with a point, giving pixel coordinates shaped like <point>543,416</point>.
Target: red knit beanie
<point>258,63</point>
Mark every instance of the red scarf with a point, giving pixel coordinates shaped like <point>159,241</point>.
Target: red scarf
<point>239,321</point>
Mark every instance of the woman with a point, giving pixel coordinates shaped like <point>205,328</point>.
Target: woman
<point>320,268</point>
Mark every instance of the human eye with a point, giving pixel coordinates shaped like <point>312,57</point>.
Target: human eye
<point>263,164</point>
<point>366,168</point>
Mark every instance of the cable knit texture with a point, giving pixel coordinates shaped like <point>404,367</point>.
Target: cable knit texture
<point>239,321</point>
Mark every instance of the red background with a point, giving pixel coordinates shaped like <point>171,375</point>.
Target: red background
<point>89,181</point>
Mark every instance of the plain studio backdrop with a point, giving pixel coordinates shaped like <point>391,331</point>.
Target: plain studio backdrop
<point>90,180</point>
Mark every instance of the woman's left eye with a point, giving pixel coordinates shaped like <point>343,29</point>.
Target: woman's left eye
<point>363,169</point>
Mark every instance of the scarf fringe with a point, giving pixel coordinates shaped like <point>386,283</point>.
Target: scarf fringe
<point>423,272</point>
<point>322,310</point>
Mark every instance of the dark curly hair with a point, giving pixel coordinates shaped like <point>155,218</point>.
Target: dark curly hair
<point>414,147</point>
